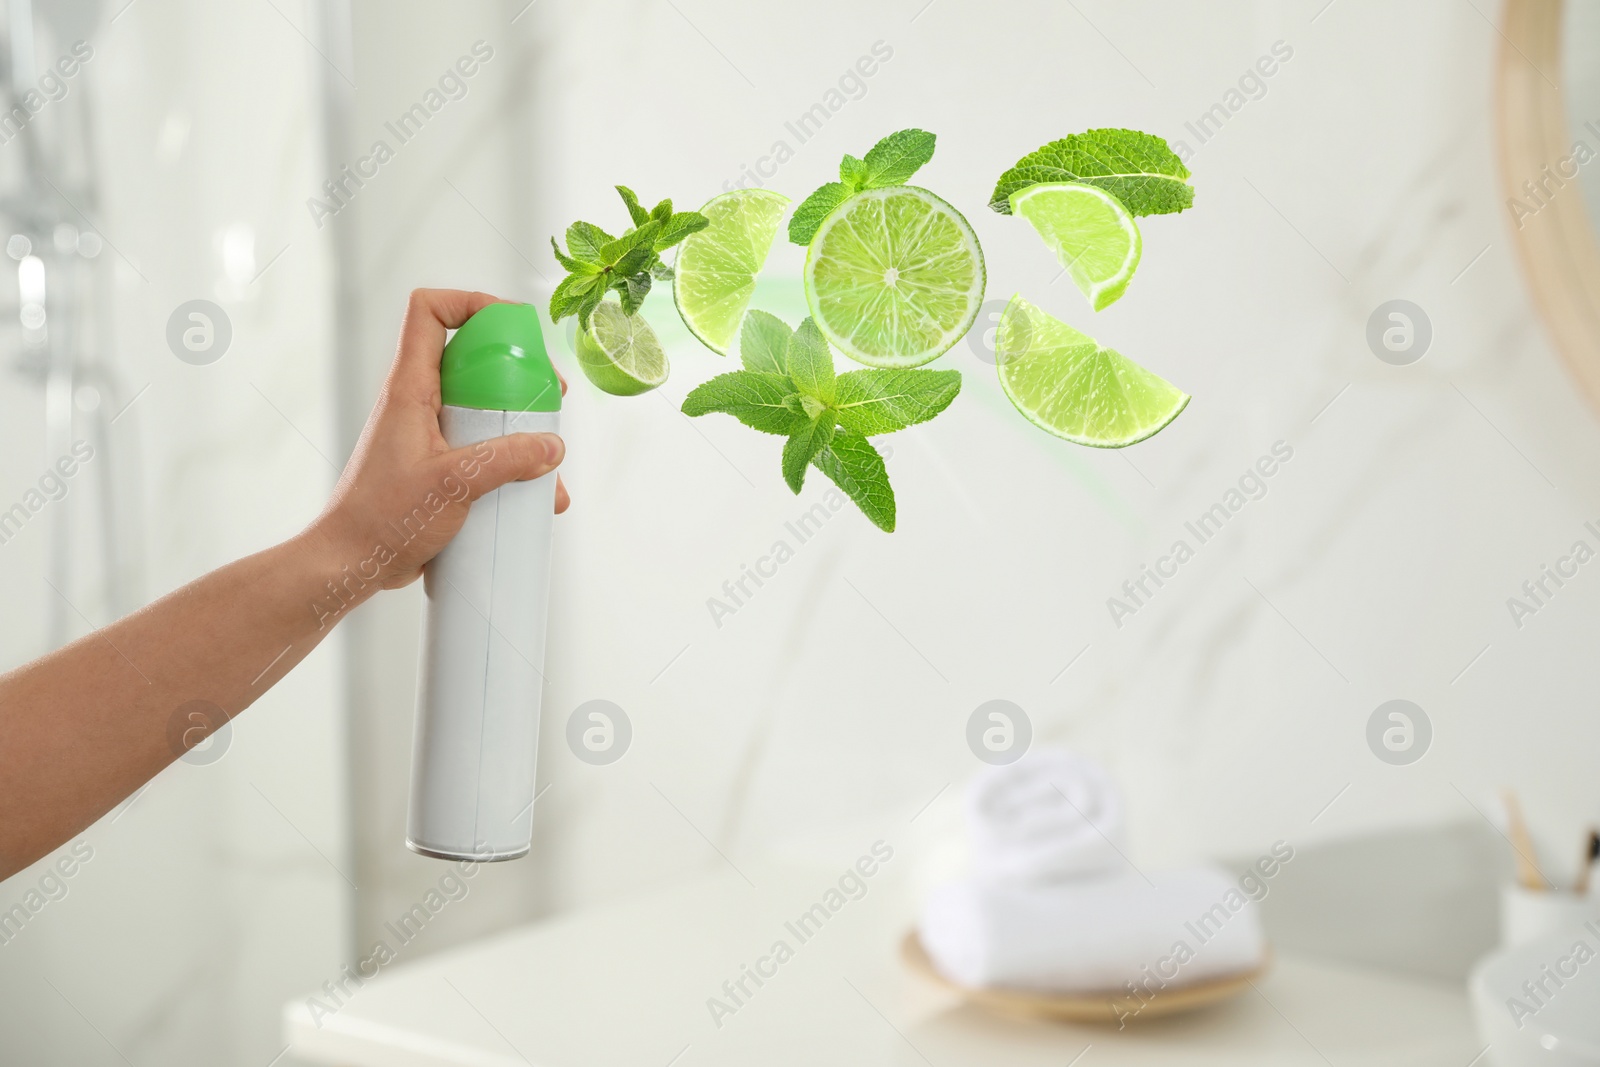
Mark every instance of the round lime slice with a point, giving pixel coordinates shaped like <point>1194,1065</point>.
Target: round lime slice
<point>1066,383</point>
<point>619,352</point>
<point>1091,233</point>
<point>894,277</point>
<point>715,272</point>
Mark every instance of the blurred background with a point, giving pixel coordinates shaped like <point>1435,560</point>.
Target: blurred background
<point>188,158</point>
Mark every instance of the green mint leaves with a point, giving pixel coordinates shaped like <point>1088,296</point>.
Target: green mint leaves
<point>597,263</point>
<point>892,161</point>
<point>813,209</point>
<point>803,447</point>
<point>760,401</point>
<point>1136,168</point>
<point>764,343</point>
<point>811,364</point>
<point>857,468</point>
<point>788,387</point>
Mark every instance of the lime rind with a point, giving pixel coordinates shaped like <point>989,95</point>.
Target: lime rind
<point>894,277</point>
<point>1066,383</point>
<point>714,275</point>
<point>620,353</point>
<point>1092,235</point>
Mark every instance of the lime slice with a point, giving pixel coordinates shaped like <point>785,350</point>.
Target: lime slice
<point>715,272</point>
<point>1066,383</point>
<point>619,352</point>
<point>894,277</point>
<point>1090,232</point>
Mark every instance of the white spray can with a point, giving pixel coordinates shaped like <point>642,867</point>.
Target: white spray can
<point>487,604</point>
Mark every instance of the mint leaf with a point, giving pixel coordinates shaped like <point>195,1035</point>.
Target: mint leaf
<point>870,402</point>
<point>892,161</point>
<point>591,300</point>
<point>575,266</point>
<point>640,239</point>
<point>1136,168</point>
<point>663,210</point>
<point>573,291</point>
<point>857,468</point>
<point>585,239</point>
<point>896,158</point>
<point>764,343</point>
<point>678,226</point>
<point>809,215</point>
<point>802,447</point>
<point>754,398</point>
<point>638,214</point>
<point>577,295</point>
<point>853,172</point>
<point>662,272</point>
<point>633,261</point>
<point>810,363</point>
<point>633,289</point>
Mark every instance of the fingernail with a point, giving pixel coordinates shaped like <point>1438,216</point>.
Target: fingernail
<point>554,448</point>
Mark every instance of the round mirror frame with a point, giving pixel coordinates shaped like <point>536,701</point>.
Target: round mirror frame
<point>1555,242</point>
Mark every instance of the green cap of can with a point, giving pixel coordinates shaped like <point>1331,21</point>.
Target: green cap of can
<point>496,361</point>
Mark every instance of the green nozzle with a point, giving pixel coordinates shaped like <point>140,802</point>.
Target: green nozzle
<point>497,362</point>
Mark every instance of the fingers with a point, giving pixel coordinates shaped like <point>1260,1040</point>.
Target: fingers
<point>430,314</point>
<point>516,457</point>
<point>563,498</point>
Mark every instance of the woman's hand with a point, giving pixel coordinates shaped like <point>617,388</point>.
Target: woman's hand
<point>405,493</point>
<point>88,724</point>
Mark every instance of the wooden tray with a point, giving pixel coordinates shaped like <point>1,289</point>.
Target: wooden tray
<point>1113,1006</point>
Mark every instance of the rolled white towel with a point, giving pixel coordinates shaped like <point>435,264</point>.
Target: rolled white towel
<point>1093,935</point>
<point>1050,815</point>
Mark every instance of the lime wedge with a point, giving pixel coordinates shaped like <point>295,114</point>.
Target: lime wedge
<point>715,272</point>
<point>1090,232</point>
<point>619,352</point>
<point>1066,383</point>
<point>894,277</point>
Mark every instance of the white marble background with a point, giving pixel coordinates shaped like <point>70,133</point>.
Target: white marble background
<point>832,709</point>
<point>1234,707</point>
<point>218,893</point>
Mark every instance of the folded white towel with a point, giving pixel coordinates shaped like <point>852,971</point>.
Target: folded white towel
<point>1050,815</point>
<point>1093,935</point>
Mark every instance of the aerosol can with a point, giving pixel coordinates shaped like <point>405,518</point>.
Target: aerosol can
<point>487,603</point>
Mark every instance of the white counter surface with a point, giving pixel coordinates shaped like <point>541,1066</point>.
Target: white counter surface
<point>629,984</point>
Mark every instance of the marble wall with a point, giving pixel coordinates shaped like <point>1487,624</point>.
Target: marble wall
<point>223,889</point>
<point>831,708</point>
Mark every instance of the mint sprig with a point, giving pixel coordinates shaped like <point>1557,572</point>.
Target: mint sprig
<point>892,161</point>
<point>1138,169</point>
<point>597,263</point>
<point>788,387</point>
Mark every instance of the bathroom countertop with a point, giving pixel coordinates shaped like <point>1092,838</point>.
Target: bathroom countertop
<point>629,983</point>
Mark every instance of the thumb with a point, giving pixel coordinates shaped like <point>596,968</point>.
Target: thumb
<point>516,457</point>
